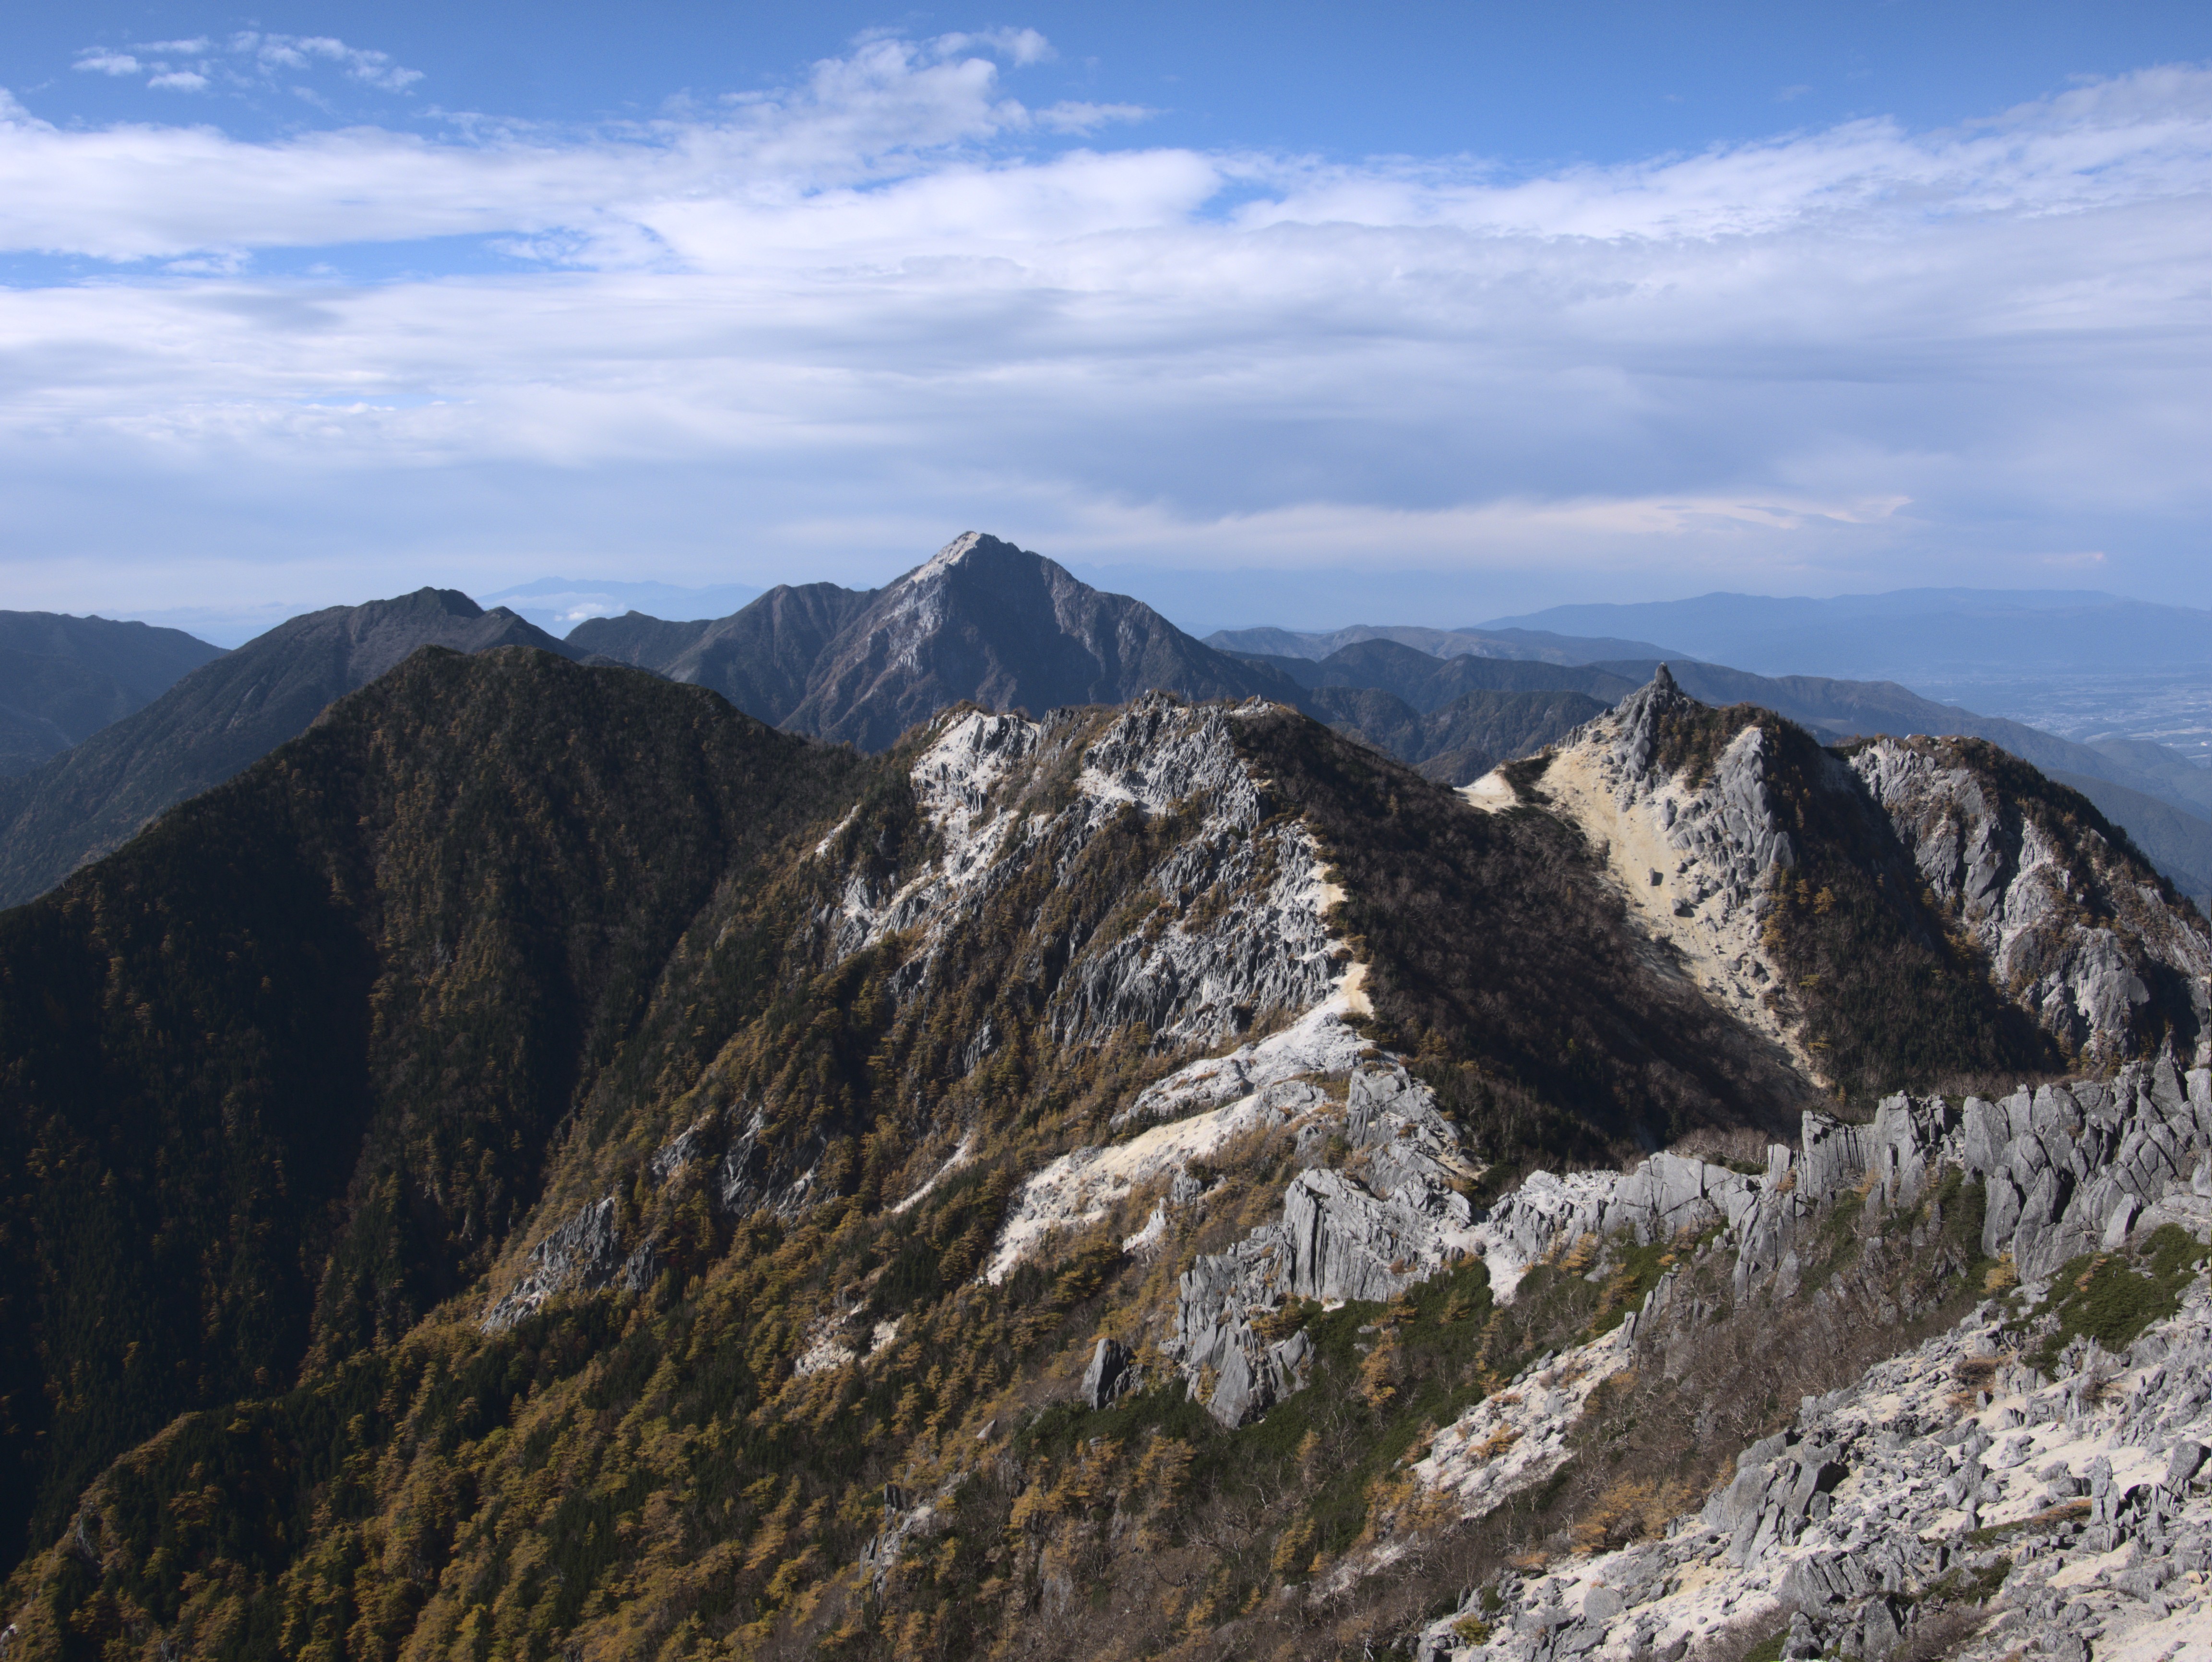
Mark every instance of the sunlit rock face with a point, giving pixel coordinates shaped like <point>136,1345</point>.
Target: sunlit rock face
<point>2076,933</point>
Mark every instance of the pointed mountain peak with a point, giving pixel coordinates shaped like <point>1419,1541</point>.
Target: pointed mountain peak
<point>1636,718</point>
<point>954,554</point>
<point>987,622</point>
<point>1654,699</point>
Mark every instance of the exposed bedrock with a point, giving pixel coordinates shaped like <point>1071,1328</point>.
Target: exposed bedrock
<point>2079,936</point>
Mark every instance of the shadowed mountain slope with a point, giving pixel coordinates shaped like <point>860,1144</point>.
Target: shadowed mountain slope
<point>279,1075</point>
<point>760,658</point>
<point>1458,741</point>
<point>61,678</point>
<point>220,719</point>
<point>1425,682</point>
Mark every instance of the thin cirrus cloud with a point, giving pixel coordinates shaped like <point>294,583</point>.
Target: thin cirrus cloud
<point>832,321</point>
<point>247,61</point>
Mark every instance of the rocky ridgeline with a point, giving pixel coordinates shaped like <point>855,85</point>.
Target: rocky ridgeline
<point>1729,827</point>
<point>2075,1505</point>
<point>2078,933</point>
<point>2066,1168</point>
<point>1695,858</point>
<point>2072,1169</point>
<point>1238,935</point>
<point>1260,947</point>
<point>1377,1206</point>
<point>1364,1220</point>
<point>2074,930</point>
<point>1870,1504</point>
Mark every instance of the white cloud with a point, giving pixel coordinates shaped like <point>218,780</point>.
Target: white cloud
<point>272,53</point>
<point>852,312</point>
<point>249,60</point>
<point>1020,47</point>
<point>1068,117</point>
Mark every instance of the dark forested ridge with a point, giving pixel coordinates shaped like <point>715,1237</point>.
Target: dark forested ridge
<point>278,1076</point>
<point>1426,682</point>
<point>1457,741</point>
<point>221,718</point>
<point>63,679</point>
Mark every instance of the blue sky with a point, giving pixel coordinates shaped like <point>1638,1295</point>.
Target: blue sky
<point>1273,313</point>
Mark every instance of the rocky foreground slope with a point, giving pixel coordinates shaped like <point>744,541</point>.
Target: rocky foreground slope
<point>1152,1180</point>
<point>2010,1485</point>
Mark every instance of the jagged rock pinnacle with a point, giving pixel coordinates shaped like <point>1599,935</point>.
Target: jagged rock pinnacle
<point>1636,720</point>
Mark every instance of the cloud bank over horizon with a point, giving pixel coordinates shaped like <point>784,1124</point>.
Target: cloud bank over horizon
<point>814,331</point>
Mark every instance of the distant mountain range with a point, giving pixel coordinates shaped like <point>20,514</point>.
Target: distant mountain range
<point>557,604</point>
<point>980,620</point>
<point>987,622</point>
<point>63,679</point>
<point>1901,633</point>
<point>1538,646</point>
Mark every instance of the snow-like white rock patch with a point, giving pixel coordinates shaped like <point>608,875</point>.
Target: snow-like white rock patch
<point>1320,1041</point>
<point>1491,793</point>
<point>1079,1188</point>
<point>959,1157</point>
<point>836,831</point>
<point>1516,1439</point>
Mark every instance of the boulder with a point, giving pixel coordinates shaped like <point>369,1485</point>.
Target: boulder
<point>1109,1374</point>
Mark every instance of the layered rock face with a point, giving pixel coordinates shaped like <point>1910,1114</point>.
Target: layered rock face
<point>2072,1169</point>
<point>1389,1215</point>
<point>2082,936</point>
<point>1234,931</point>
<point>583,1254</point>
